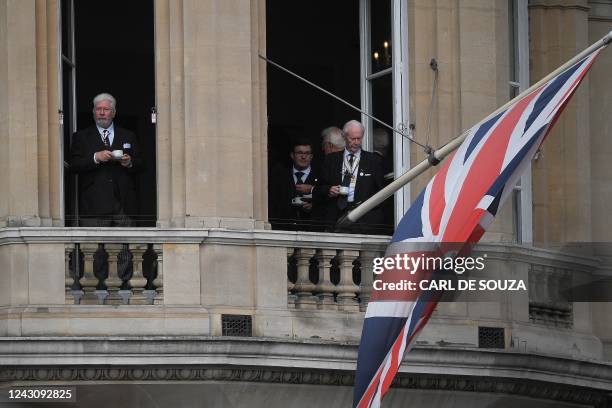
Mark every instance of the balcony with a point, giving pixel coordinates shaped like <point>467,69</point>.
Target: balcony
<point>269,306</point>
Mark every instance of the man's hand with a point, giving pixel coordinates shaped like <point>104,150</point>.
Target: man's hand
<point>304,188</point>
<point>307,207</point>
<point>103,156</point>
<point>334,191</point>
<point>126,160</point>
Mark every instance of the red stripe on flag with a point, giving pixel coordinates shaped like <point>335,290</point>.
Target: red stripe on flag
<point>396,359</point>
<point>366,399</point>
<point>437,202</point>
<point>483,172</point>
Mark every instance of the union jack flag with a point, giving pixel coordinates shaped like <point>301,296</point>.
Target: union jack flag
<point>457,206</point>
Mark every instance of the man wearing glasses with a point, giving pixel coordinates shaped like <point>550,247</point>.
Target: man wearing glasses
<point>105,157</point>
<point>290,202</point>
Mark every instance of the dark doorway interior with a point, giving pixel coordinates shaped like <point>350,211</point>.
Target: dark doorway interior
<point>318,40</point>
<point>114,53</point>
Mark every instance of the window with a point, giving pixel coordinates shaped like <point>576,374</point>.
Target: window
<point>119,61</point>
<point>357,51</point>
<point>519,81</point>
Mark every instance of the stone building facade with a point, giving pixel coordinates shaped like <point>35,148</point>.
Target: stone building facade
<point>223,311</point>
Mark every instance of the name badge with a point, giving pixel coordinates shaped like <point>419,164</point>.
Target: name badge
<point>127,145</point>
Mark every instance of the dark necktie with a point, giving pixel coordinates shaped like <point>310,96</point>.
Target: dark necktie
<point>105,133</point>
<point>298,176</point>
<point>346,182</point>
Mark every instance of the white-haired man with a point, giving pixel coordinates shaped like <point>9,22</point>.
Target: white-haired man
<point>332,140</point>
<point>105,157</point>
<point>350,177</point>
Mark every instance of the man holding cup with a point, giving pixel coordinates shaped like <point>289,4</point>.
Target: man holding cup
<point>350,177</point>
<point>105,157</point>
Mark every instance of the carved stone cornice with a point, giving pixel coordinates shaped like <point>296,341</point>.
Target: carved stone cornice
<point>188,373</point>
<point>137,358</point>
<point>581,5</point>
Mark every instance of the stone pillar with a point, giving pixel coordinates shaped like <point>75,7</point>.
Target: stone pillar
<point>211,103</point>
<point>50,154</point>
<point>562,174</point>
<point>18,114</point>
<point>600,105</point>
<point>470,45</point>
<point>30,158</point>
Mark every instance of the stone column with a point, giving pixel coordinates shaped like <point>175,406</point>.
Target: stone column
<point>470,45</point>
<point>562,174</point>
<point>50,154</point>
<point>211,103</point>
<point>30,157</point>
<point>18,115</point>
<point>600,105</point>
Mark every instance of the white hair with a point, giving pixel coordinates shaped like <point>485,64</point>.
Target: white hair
<point>105,97</point>
<point>350,124</point>
<point>333,136</point>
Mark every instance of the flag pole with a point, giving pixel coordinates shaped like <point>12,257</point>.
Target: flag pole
<point>435,157</point>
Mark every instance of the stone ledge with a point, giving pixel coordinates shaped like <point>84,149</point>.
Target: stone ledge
<point>202,374</point>
<point>188,235</point>
<point>198,352</point>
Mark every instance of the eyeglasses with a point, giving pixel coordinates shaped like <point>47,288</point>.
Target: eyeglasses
<point>103,110</point>
<point>303,153</point>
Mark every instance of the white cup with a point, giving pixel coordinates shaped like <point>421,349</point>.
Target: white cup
<point>117,154</point>
<point>344,190</point>
<point>297,201</point>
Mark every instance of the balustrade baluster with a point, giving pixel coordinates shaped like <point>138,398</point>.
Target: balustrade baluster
<point>367,277</point>
<point>149,271</point>
<point>74,272</point>
<point>138,282</point>
<point>290,285</point>
<point>88,281</point>
<point>100,270</point>
<point>325,288</point>
<point>158,282</point>
<point>125,271</point>
<point>303,286</point>
<point>113,282</point>
<point>346,288</point>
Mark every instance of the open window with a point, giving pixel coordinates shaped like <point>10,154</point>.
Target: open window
<point>356,50</point>
<point>109,48</point>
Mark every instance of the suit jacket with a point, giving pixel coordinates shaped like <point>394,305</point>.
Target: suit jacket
<point>283,214</point>
<point>369,181</point>
<point>102,185</point>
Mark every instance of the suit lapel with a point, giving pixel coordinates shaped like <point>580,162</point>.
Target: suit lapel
<point>290,181</point>
<point>363,168</point>
<point>95,139</point>
<point>311,179</point>
<point>117,142</point>
<point>338,176</point>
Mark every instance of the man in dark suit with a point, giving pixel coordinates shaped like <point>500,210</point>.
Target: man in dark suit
<point>105,157</point>
<point>348,178</point>
<point>290,201</point>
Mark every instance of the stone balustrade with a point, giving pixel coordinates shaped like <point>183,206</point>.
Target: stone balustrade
<point>296,285</point>
<point>114,274</point>
<point>330,279</point>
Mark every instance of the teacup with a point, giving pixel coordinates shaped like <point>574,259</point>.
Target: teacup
<point>117,154</point>
<point>344,190</point>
